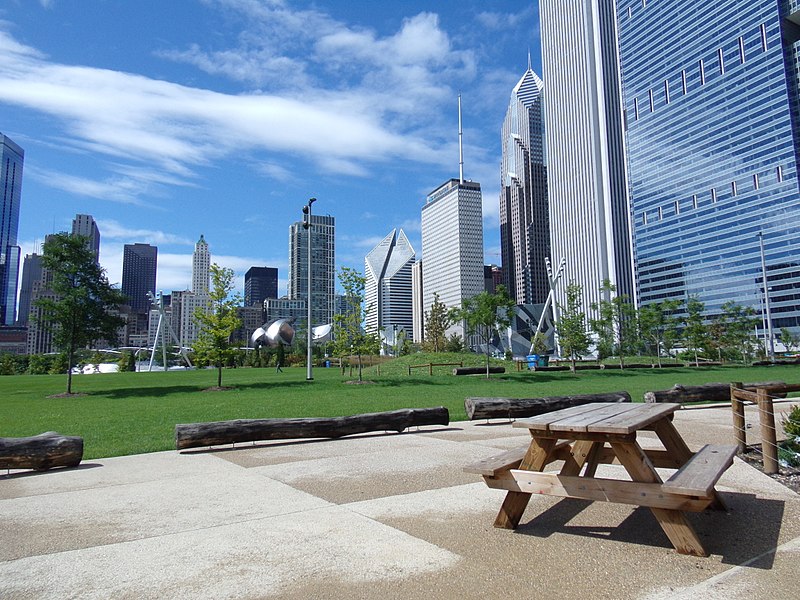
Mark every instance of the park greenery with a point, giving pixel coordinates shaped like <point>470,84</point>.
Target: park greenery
<point>349,336</point>
<point>82,307</point>
<point>217,322</point>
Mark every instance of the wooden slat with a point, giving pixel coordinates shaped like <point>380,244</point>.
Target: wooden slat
<point>699,475</point>
<point>542,422</point>
<point>514,504</point>
<point>597,489</point>
<point>586,421</point>
<point>511,459</point>
<point>638,417</point>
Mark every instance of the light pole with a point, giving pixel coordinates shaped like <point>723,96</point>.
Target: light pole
<point>760,235</point>
<point>307,227</point>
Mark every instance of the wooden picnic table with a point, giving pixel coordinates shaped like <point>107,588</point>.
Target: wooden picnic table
<point>592,434</point>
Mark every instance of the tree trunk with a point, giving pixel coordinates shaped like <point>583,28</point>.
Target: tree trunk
<point>41,452</point>
<point>197,435</point>
<point>708,392</point>
<point>219,375</point>
<point>515,408</point>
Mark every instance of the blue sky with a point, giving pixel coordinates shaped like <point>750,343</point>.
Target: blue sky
<point>168,119</point>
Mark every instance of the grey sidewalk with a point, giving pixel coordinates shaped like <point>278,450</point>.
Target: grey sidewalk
<point>375,516</point>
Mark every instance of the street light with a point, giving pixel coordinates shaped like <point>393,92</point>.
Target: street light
<point>766,296</point>
<point>307,226</point>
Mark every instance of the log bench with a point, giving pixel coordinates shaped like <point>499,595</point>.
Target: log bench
<point>41,452</point>
<point>517,408</point>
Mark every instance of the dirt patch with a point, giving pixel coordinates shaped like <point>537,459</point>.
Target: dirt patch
<point>356,382</point>
<point>66,395</point>
<point>788,476</point>
<point>218,389</point>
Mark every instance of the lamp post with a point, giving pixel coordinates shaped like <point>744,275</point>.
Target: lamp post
<point>307,227</point>
<point>760,235</point>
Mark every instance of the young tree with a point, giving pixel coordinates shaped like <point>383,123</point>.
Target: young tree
<point>658,326</point>
<point>738,325</point>
<point>615,324</point>
<point>789,340</point>
<point>219,322</point>
<point>571,327</point>
<point>436,323</point>
<point>349,336</point>
<point>81,312</point>
<point>484,315</point>
<point>695,333</point>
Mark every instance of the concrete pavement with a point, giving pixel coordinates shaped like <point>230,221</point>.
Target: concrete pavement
<point>376,516</point>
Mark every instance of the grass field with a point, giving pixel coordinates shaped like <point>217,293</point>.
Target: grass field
<point>130,413</point>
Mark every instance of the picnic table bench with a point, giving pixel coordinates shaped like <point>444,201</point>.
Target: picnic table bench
<point>593,434</point>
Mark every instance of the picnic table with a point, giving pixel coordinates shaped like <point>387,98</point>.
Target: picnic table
<point>600,433</point>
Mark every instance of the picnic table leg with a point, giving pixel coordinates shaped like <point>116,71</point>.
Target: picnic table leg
<point>677,448</point>
<point>582,452</point>
<point>674,523</point>
<point>516,502</point>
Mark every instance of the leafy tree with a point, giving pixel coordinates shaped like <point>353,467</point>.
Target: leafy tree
<point>455,343</point>
<point>789,340</point>
<point>348,334</point>
<point>738,325</point>
<point>126,361</point>
<point>695,333</point>
<point>484,315</point>
<point>436,323</point>
<point>217,324</point>
<point>571,327</point>
<point>82,311</point>
<point>615,325</point>
<point>658,326</point>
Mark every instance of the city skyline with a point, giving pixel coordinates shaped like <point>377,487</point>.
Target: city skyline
<point>163,135</point>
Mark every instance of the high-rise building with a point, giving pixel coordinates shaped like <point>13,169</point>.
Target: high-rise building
<point>323,266</point>
<point>201,266</point>
<point>31,273</point>
<point>11,161</point>
<point>139,265</point>
<point>452,245</point>
<point>86,226</point>
<point>260,283</point>
<point>524,222</point>
<point>196,299</point>
<point>711,102</point>
<point>417,304</point>
<point>586,178</point>
<point>387,290</point>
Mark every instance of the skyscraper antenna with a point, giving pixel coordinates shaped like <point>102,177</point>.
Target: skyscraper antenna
<point>529,60</point>
<point>460,145</point>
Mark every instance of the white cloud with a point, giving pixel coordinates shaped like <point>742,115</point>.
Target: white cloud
<point>498,21</point>
<point>124,190</point>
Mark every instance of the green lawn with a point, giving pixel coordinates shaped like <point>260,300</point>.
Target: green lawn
<point>129,413</point>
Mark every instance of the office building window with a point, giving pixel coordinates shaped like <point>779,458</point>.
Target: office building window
<point>779,173</point>
<point>763,37</point>
<point>677,207</point>
<point>660,213</point>
<point>713,195</point>
<point>721,58</point>
<point>666,91</point>
<point>694,200</point>
<point>755,181</point>
<point>741,49</point>
<point>702,72</point>
<point>636,109</point>
<point>733,188</point>
<point>683,81</point>
<point>652,105</point>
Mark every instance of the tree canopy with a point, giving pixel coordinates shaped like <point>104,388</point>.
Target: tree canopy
<point>437,320</point>
<point>82,311</point>
<point>349,336</point>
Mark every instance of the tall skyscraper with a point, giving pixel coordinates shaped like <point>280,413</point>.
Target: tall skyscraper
<point>323,266</point>
<point>201,265</point>
<point>197,298</point>
<point>712,112</point>
<point>139,265</point>
<point>31,274</point>
<point>586,179</point>
<point>260,283</point>
<point>452,245</point>
<point>11,160</point>
<point>86,226</point>
<point>524,222</point>
<point>387,292</point>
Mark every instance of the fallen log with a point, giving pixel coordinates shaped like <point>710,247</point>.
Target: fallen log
<point>707,392</point>
<point>198,435</point>
<point>517,408</point>
<point>477,370</point>
<point>41,452</point>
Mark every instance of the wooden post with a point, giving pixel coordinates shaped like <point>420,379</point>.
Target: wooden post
<point>430,369</point>
<point>737,408</point>
<point>769,442</point>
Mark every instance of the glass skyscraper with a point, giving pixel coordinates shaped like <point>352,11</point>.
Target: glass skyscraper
<point>524,223</point>
<point>139,267</point>
<point>11,160</point>
<point>710,100</point>
<point>387,290</point>
<point>323,266</point>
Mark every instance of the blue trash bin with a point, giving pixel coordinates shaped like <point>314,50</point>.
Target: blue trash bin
<point>532,359</point>
<point>327,364</point>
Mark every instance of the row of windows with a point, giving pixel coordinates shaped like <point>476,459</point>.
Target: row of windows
<point>735,189</point>
<point>701,66</point>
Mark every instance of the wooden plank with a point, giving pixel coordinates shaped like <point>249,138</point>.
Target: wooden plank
<point>673,522</point>
<point>542,422</point>
<point>515,503</point>
<point>586,421</point>
<point>577,458</point>
<point>698,476</point>
<point>597,489</point>
<point>638,417</point>
<point>511,459</point>
<point>673,443</point>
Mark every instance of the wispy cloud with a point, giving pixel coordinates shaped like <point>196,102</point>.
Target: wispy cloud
<point>125,190</point>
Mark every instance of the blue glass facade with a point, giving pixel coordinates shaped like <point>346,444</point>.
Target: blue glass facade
<point>11,159</point>
<point>708,90</point>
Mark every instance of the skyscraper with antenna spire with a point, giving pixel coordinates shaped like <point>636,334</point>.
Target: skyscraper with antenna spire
<point>452,240</point>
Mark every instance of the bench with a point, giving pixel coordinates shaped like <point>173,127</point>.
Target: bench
<point>510,459</point>
<point>41,452</point>
<point>699,475</point>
